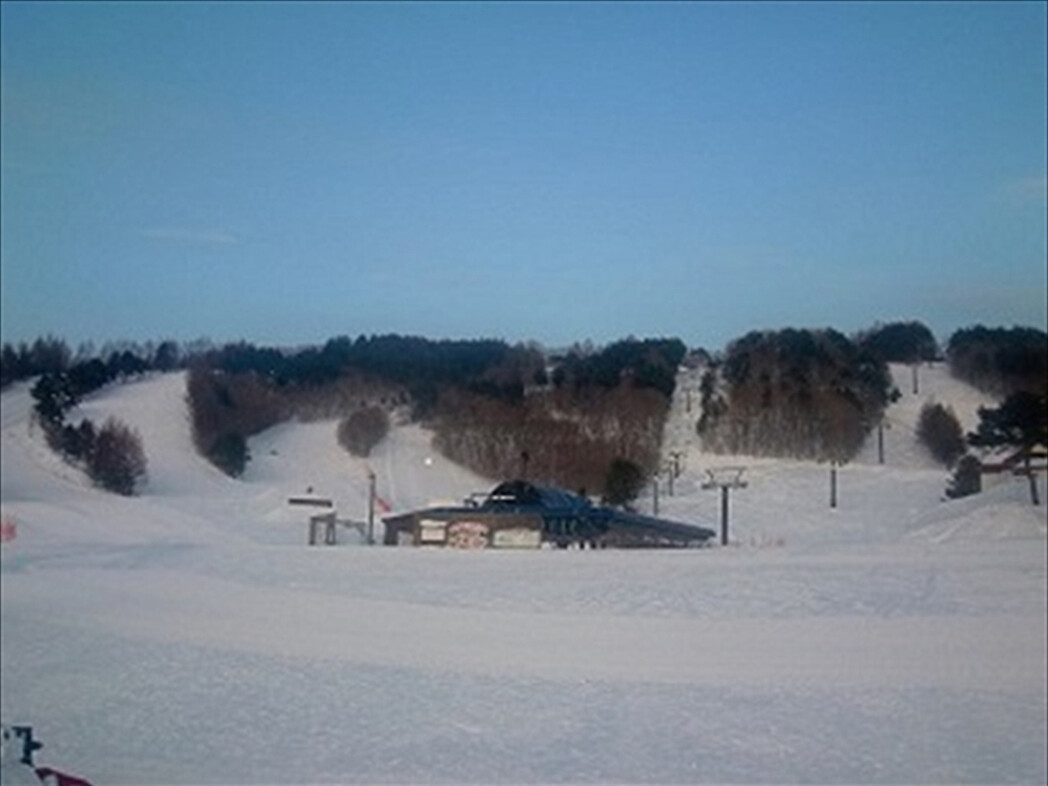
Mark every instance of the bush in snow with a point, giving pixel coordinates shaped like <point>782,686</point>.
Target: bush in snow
<point>966,479</point>
<point>78,442</point>
<point>223,408</point>
<point>117,462</point>
<point>623,482</point>
<point>362,430</point>
<point>54,396</point>
<point>230,454</point>
<point>939,430</point>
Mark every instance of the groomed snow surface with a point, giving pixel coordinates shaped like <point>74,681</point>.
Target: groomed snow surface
<point>189,635</point>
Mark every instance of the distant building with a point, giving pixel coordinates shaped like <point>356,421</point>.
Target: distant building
<point>519,514</point>
<point>999,464</point>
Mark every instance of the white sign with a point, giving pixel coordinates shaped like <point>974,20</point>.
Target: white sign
<point>468,535</point>
<point>432,531</point>
<point>517,538</point>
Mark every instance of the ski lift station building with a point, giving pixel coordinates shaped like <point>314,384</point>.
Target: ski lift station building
<point>520,514</point>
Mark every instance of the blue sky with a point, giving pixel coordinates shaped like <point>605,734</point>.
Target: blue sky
<point>284,173</point>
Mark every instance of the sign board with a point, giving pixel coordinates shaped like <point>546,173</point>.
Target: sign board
<point>432,531</point>
<point>517,538</point>
<point>315,502</point>
<point>468,535</point>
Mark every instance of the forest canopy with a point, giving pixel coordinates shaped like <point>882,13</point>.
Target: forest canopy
<point>1000,361</point>
<point>793,393</point>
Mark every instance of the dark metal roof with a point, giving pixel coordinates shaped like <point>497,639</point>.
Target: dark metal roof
<point>649,524</point>
<point>522,494</point>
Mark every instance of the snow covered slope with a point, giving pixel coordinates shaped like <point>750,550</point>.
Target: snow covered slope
<point>934,385</point>
<point>901,447</point>
<point>189,636</point>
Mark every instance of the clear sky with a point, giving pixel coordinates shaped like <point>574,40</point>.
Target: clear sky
<point>285,173</point>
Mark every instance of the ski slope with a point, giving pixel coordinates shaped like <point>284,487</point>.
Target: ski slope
<point>189,635</point>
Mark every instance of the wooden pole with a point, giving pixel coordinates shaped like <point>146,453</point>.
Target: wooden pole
<point>880,442</point>
<point>371,509</point>
<point>1034,497</point>
<point>724,515</point>
<point>833,484</point>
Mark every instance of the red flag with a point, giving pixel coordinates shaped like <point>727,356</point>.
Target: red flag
<point>51,776</point>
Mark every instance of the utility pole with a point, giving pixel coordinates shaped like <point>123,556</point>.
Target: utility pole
<point>725,478</point>
<point>371,508</point>
<point>880,442</point>
<point>724,514</point>
<point>655,495</point>
<point>916,388</point>
<point>833,484</point>
<point>1027,470</point>
<point>676,455</point>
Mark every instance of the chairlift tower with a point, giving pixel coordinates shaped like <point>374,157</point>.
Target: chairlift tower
<point>725,479</point>
<point>674,466</point>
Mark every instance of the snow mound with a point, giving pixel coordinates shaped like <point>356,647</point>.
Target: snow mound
<point>1001,513</point>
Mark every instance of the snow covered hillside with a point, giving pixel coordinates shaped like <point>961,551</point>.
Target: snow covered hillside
<point>189,635</point>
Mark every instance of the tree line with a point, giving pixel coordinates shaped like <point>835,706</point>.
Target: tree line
<point>489,402</point>
<point>1000,361</point>
<point>812,394</point>
<point>801,393</point>
<point>51,355</point>
<point>112,455</point>
<point>817,393</point>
